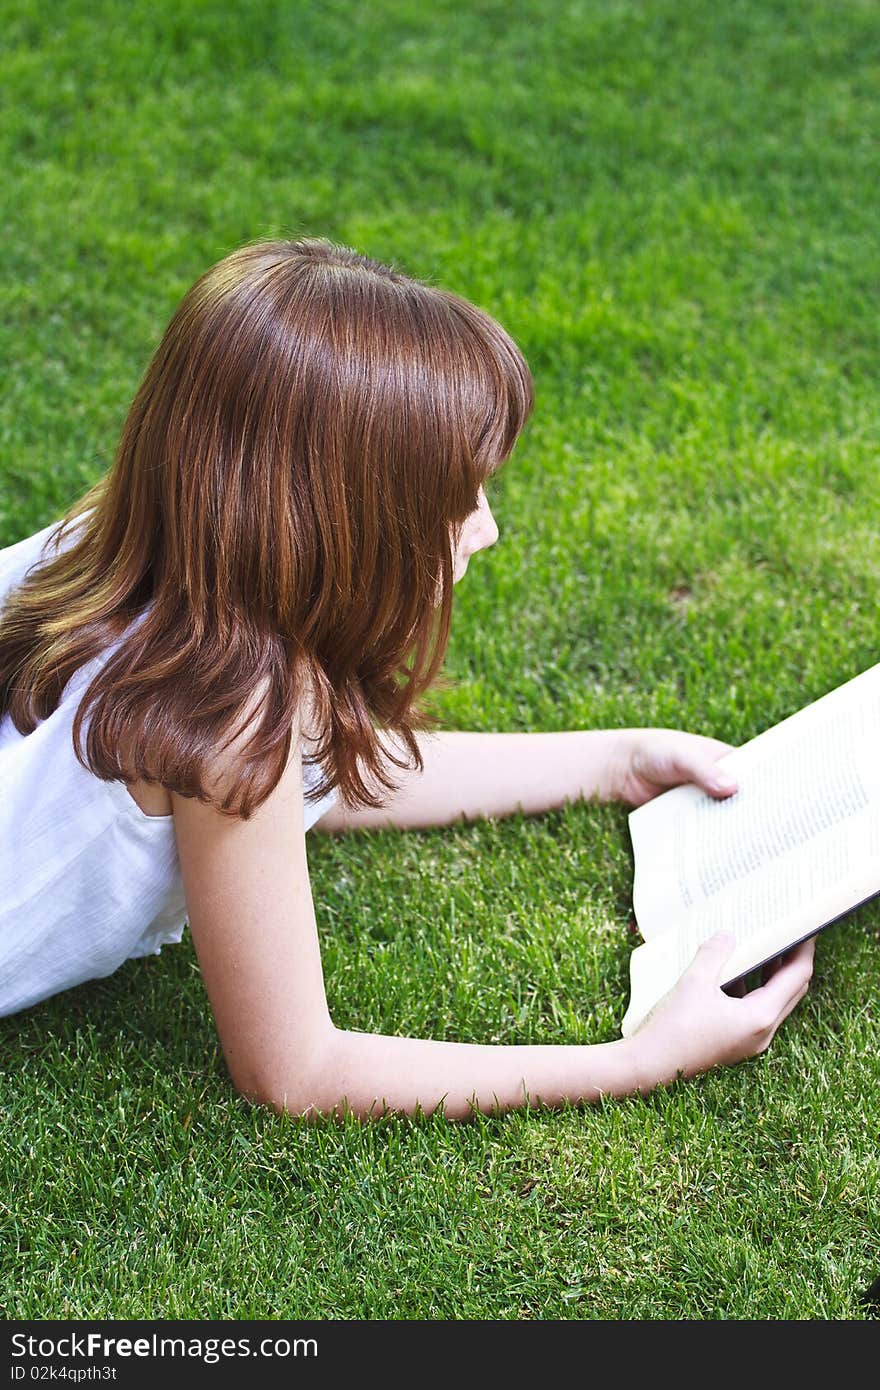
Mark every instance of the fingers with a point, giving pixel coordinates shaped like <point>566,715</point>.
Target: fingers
<point>736,990</point>
<point>709,962</point>
<point>720,783</point>
<point>715,750</point>
<point>707,774</point>
<point>788,984</point>
<point>772,966</point>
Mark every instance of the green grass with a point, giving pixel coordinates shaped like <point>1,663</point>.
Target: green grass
<point>672,206</point>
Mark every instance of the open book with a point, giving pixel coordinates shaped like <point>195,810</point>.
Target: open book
<point>794,849</point>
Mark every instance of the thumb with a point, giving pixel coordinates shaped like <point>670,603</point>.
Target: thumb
<point>715,780</point>
<point>712,956</point>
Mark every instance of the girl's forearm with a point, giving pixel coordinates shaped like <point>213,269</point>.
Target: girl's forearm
<point>493,774</point>
<point>365,1073</point>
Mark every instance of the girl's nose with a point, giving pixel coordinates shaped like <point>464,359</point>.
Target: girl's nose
<point>490,529</point>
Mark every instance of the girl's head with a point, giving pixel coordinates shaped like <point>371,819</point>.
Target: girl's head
<point>298,485</point>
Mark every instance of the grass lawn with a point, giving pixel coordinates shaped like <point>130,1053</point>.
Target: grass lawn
<point>672,206</point>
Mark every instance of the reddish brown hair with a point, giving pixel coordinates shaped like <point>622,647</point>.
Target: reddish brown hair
<point>307,441</point>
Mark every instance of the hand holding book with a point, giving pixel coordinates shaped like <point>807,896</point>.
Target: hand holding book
<point>652,761</point>
<point>698,1026</point>
<point>795,848</point>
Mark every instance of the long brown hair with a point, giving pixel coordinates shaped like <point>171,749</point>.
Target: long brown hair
<point>308,439</point>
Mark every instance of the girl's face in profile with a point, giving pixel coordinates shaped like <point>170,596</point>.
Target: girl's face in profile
<point>479,531</point>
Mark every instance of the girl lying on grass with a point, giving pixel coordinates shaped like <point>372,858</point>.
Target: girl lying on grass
<point>225,643</point>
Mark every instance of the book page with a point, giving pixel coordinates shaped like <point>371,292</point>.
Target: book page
<point>656,966</point>
<point>797,846</point>
<point>802,787</point>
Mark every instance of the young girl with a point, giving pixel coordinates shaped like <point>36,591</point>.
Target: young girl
<point>224,644</point>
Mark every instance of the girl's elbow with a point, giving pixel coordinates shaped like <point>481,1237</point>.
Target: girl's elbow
<point>307,1103</point>
<point>284,1101</point>
<point>304,1087</point>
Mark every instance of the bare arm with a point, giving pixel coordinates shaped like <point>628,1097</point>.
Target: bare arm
<point>253,926</point>
<point>473,775</point>
<point>369,1072</point>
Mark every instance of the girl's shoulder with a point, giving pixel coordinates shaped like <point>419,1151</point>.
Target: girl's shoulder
<point>152,800</point>
<point>155,800</point>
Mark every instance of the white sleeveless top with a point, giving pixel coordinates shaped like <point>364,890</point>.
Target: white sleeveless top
<point>87,879</point>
